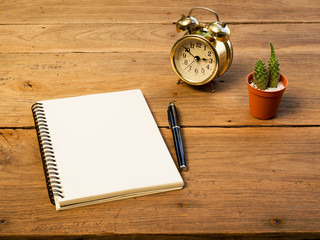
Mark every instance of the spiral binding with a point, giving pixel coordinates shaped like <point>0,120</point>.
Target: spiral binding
<point>47,154</point>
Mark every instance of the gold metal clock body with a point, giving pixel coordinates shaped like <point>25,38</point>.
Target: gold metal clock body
<point>204,52</point>
<point>197,61</point>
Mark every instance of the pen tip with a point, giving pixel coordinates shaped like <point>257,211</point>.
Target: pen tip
<point>171,104</point>
<point>183,168</point>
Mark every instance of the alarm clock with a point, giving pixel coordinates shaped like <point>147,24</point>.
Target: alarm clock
<point>204,52</point>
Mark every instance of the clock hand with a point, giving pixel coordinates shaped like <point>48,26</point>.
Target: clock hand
<point>197,58</point>
<point>189,65</point>
<point>188,50</point>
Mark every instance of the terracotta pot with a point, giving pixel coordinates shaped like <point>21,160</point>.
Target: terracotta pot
<point>265,105</point>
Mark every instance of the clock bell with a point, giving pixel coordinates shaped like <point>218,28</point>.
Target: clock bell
<point>204,52</point>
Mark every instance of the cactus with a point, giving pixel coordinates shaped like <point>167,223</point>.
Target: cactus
<point>267,77</point>
<point>260,75</point>
<point>273,68</point>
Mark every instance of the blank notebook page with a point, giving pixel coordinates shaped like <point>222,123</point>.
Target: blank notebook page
<point>108,145</point>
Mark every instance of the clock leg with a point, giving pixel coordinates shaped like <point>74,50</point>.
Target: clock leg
<point>212,90</point>
<point>179,81</point>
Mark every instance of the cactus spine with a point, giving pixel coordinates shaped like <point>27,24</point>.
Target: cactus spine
<point>273,69</point>
<point>260,75</point>
<point>264,77</point>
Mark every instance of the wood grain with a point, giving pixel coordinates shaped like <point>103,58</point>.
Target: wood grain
<point>163,11</point>
<point>236,183</point>
<point>155,38</point>
<point>247,178</point>
<point>26,78</point>
<point>45,62</point>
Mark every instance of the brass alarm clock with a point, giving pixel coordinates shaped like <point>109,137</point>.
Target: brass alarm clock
<point>204,52</point>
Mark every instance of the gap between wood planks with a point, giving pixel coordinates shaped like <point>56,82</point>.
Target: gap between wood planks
<point>265,23</point>
<point>152,23</point>
<point>164,127</point>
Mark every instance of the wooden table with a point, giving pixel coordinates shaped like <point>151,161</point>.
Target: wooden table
<point>247,178</point>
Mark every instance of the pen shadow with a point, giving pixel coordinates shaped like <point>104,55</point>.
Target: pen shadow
<point>184,151</point>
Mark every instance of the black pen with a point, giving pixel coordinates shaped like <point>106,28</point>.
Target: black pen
<point>174,126</point>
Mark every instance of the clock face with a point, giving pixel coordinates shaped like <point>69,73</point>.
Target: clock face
<point>194,60</point>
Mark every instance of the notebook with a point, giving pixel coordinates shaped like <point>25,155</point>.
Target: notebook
<point>102,147</point>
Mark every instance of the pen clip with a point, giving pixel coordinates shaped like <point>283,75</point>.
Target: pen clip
<point>169,118</point>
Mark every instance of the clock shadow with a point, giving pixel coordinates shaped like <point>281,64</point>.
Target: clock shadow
<point>216,85</point>
<point>202,88</point>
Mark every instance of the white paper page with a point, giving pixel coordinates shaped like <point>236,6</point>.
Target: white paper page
<point>106,143</point>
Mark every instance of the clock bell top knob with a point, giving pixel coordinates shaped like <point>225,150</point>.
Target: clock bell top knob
<point>219,31</point>
<point>186,23</point>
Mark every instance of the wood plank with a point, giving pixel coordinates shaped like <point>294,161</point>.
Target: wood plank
<point>236,183</point>
<point>164,11</point>
<point>149,37</point>
<point>26,78</point>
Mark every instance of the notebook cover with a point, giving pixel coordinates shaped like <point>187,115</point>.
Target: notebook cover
<point>107,147</point>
